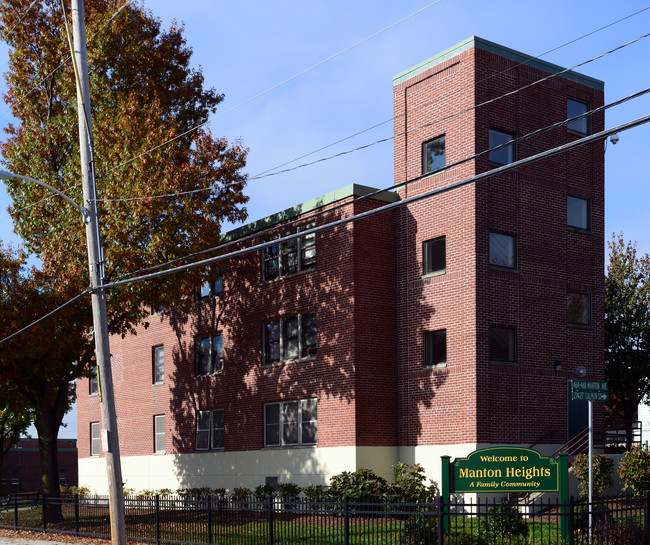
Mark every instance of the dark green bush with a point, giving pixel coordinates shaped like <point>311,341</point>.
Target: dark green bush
<point>602,469</point>
<point>264,491</point>
<point>288,491</point>
<point>421,530</point>
<point>503,523</point>
<point>634,470</point>
<point>362,484</point>
<point>409,484</point>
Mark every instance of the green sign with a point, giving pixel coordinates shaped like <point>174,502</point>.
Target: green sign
<point>505,469</point>
<point>589,390</point>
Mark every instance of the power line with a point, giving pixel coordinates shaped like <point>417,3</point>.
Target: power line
<point>310,217</point>
<point>437,99</point>
<point>387,139</point>
<point>343,221</point>
<point>7,34</point>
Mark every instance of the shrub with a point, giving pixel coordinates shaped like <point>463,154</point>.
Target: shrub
<point>408,483</point>
<point>362,484</point>
<point>634,470</point>
<point>240,494</point>
<point>602,479</point>
<point>264,491</point>
<point>314,493</point>
<point>69,491</point>
<point>421,530</point>
<point>503,523</point>
<point>128,491</point>
<point>289,491</point>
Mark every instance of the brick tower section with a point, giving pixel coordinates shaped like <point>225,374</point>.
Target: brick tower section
<point>475,397</point>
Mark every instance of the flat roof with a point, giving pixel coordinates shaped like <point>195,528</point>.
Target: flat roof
<point>486,45</point>
<point>352,190</point>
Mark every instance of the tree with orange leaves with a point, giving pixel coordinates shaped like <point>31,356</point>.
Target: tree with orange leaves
<point>149,115</point>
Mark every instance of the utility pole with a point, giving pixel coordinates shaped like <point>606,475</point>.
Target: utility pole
<point>110,443</point>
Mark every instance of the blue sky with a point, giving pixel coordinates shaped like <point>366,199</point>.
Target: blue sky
<point>246,48</point>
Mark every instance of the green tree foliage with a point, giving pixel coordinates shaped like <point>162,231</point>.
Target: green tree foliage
<point>627,330</point>
<point>634,470</point>
<point>601,475</point>
<point>143,93</point>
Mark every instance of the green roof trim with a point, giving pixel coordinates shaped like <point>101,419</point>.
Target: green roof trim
<point>486,45</point>
<point>352,190</point>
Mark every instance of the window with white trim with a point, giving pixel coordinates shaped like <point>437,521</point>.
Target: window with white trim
<point>290,257</point>
<point>212,286</point>
<point>290,338</point>
<point>291,423</point>
<point>209,430</point>
<point>158,356</point>
<point>209,354</point>
<point>159,433</point>
<point>94,438</point>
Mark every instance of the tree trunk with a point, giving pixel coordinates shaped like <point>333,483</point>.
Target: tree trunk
<point>49,415</point>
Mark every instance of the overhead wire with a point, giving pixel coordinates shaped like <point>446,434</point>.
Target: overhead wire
<point>356,217</point>
<point>392,187</point>
<point>439,98</point>
<point>8,33</point>
<point>404,133</point>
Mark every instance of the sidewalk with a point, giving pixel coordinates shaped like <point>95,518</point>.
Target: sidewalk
<point>26,537</point>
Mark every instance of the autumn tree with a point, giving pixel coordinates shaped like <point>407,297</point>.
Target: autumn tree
<point>164,182</point>
<point>627,330</point>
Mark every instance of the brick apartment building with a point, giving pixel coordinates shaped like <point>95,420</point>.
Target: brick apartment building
<point>442,326</point>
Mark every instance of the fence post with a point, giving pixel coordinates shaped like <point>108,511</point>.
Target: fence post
<point>76,514</point>
<point>44,512</point>
<point>646,514</point>
<point>270,519</point>
<point>156,518</point>
<point>208,500</point>
<point>564,495</point>
<point>15,511</point>
<point>346,522</point>
<point>570,522</point>
<point>441,530</point>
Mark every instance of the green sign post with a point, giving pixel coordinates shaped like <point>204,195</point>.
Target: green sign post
<point>506,469</point>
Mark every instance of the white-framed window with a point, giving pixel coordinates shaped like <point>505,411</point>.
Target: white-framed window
<point>210,430</point>
<point>159,433</point>
<point>158,356</point>
<point>503,250</point>
<point>209,354</point>
<point>435,347</point>
<point>433,154</point>
<point>434,255</point>
<point>291,423</point>
<point>577,212</point>
<point>503,155</point>
<point>503,344</point>
<point>575,108</point>
<point>578,308</point>
<point>94,438</point>
<point>93,380</point>
<point>212,286</point>
<point>290,257</point>
<point>290,338</point>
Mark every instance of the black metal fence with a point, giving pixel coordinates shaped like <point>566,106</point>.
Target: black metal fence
<point>214,520</point>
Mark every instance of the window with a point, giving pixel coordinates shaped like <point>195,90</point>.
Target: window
<point>209,354</point>
<point>290,338</point>
<point>435,347</point>
<point>155,308</point>
<point>575,108</point>
<point>291,423</point>
<point>578,308</point>
<point>434,256</point>
<point>158,364</point>
<point>433,155</point>
<point>209,430</point>
<point>504,155</point>
<point>93,380</point>
<point>577,212</point>
<point>159,433</point>
<point>211,287</point>
<point>94,438</point>
<point>502,250</point>
<point>503,344</point>
<point>290,257</point>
